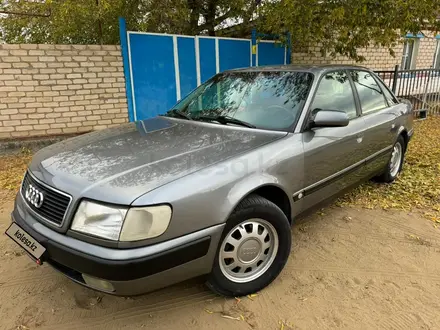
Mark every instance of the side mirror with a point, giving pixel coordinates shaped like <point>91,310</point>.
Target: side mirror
<point>329,118</point>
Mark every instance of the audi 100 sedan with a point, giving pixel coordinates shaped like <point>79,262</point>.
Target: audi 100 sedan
<point>211,187</point>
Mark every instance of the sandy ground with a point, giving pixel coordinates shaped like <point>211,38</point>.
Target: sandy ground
<point>349,269</point>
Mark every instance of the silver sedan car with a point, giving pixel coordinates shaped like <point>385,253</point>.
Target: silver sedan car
<point>212,186</point>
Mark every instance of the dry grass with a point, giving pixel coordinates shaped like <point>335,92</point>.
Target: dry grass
<point>12,168</point>
<point>418,186</point>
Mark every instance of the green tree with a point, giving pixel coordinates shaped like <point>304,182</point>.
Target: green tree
<point>96,21</point>
<point>66,21</point>
<point>344,26</point>
<point>338,26</point>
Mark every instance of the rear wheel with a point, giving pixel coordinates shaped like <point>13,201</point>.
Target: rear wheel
<point>395,164</point>
<point>254,248</point>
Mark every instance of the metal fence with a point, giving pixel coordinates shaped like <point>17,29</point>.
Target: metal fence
<point>160,69</point>
<point>421,87</point>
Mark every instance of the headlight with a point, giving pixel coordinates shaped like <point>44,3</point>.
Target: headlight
<point>99,220</point>
<point>145,222</point>
<point>122,224</point>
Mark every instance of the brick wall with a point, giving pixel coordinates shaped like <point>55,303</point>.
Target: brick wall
<point>426,51</point>
<point>60,89</point>
<point>376,58</point>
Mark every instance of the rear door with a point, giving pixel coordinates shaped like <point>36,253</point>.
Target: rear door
<point>333,156</point>
<point>379,113</point>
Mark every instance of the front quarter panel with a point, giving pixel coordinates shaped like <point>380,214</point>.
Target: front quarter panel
<point>208,197</point>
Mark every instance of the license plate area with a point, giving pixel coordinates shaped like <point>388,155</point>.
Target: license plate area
<point>26,241</point>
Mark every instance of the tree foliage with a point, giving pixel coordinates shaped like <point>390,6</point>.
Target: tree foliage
<point>69,21</point>
<point>344,26</point>
<point>338,26</point>
<point>96,21</point>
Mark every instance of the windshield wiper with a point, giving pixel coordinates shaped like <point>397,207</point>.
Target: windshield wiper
<point>227,120</point>
<point>178,113</point>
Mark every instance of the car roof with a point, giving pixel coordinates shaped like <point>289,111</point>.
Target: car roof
<point>316,69</point>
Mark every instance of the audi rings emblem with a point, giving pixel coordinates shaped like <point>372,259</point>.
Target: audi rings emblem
<point>34,196</point>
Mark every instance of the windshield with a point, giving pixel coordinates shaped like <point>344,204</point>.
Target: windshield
<point>270,100</point>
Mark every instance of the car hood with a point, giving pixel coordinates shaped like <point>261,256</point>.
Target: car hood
<point>119,164</point>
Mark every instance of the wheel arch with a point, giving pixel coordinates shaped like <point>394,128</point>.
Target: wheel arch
<point>272,192</point>
<point>404,133</point>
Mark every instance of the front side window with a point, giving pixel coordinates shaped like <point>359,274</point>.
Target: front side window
<point>270,100</point>
<point>335,93</point>
<point>371,96</point>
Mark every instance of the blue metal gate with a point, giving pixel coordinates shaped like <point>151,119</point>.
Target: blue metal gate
<point>160,69</point>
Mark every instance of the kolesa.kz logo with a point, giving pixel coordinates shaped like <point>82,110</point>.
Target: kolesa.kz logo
<point>22,237</point>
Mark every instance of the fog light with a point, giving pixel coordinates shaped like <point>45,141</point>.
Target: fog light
<point>98,283</point>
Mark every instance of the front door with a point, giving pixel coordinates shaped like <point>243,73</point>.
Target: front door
<point>333,156</point>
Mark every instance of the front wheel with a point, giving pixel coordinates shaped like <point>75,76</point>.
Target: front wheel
<point>395,163</point>
<point>254,248</point>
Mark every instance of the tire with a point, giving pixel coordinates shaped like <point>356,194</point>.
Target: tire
<point>394,167</point>
<point>260,254</point>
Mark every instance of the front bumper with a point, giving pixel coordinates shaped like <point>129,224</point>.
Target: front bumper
<point>129,271</point>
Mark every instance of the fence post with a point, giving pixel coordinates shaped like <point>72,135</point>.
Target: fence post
<point>126,63</point>
<point>254,48</point>
<point>396,74</point>
<point>425,93</point>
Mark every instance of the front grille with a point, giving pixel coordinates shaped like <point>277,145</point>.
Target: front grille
<point>55,204</point>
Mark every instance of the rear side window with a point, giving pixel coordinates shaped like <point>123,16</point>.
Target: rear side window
<point>370,94</point>
<point>386,92</point>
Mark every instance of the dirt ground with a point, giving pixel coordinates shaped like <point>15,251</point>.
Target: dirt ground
<point>349,269</point>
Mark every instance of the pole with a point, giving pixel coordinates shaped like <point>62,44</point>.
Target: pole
<point>126,63</point>
<point>289,48</point>
<point>425,94</point>
<point>99,24</point>
<point>396,74</point>
<point>254,48</point>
